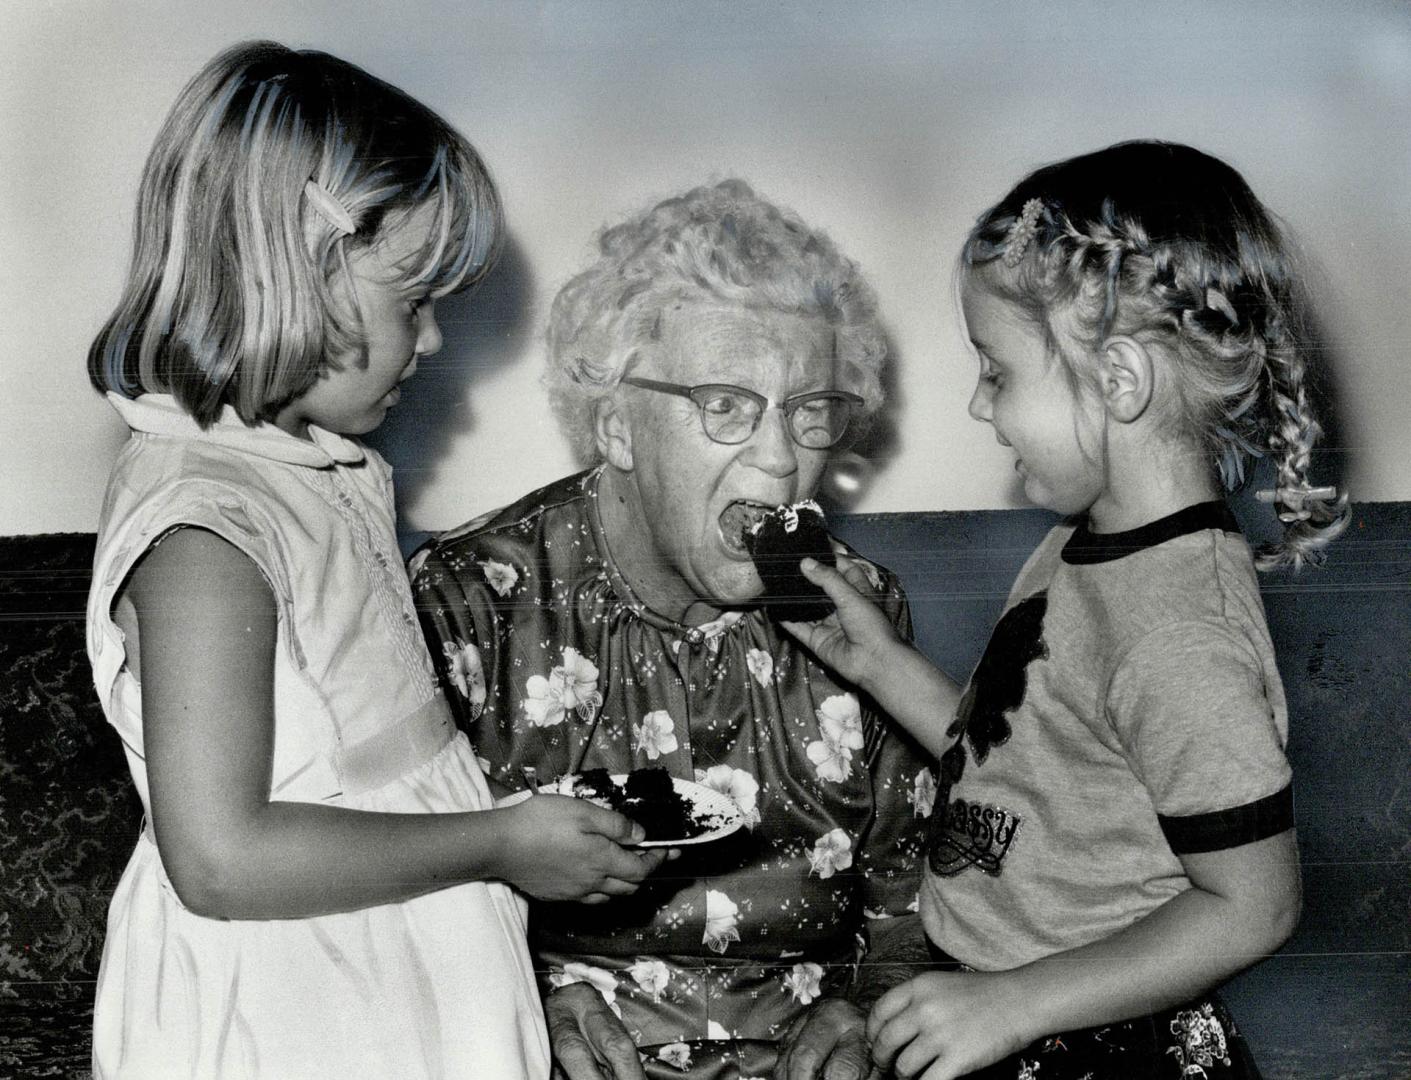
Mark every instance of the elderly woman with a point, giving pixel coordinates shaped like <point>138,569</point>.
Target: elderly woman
<point>709,361</point>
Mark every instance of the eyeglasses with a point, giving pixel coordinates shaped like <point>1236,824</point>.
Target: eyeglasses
<point>731,414</point>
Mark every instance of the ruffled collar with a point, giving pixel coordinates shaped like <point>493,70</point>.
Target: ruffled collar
<point>159,414</point>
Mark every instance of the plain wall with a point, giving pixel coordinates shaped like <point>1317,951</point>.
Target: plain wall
<point>889,125</point>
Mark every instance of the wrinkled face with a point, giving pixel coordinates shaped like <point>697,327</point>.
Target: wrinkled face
<point>399,325</point>
<point>1027,396</point>
<point>696,495</point>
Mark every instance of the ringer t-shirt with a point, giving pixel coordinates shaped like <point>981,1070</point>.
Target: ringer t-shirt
<point>1126,711</point>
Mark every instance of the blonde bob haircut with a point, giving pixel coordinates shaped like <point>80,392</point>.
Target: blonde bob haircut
<point>721,243</point>
<point>229,297</point>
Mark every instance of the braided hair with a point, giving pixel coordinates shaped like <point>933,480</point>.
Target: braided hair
<point>1168,245</point>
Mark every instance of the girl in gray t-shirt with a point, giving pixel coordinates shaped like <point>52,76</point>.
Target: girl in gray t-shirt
<point>1112,832</point>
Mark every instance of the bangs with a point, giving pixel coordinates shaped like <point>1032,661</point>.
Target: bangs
<point>466,229</point>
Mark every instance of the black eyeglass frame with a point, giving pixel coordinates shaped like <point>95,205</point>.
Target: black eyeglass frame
<point>788,406</point>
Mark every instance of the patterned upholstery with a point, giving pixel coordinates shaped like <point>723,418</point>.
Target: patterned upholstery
<point>68,813</point>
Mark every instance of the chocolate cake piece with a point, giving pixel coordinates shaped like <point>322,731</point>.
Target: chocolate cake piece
<point>777,541</point>
<point>649,797</point>
<point>653,802</point>
<point>598,786</point>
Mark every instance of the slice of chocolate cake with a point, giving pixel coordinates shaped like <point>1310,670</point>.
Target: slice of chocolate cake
<point>777,541</point>
<point>653,802</point>
<point>649,797</point>
<point>597,786</point>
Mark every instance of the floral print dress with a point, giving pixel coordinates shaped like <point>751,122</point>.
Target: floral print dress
<point>553,665</point>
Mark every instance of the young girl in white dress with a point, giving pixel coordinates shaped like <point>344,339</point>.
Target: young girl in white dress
<point>1112,835</point>
<point>322,885</point>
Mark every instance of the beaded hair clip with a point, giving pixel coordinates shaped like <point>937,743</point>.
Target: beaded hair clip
<point>326,204</point>
<point>1024,229</point>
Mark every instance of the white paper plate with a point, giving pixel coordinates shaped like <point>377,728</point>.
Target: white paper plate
<point>702,800</point>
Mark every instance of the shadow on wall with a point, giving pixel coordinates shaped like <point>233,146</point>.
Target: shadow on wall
<point>483,332</point>
<point>850,469</point>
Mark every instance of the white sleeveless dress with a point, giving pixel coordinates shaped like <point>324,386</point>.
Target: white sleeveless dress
<point>437,986</point>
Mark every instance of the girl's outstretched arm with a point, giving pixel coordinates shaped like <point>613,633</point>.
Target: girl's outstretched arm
<point>860,644</point>
<point>207,629</point>
<point>1243,905</point>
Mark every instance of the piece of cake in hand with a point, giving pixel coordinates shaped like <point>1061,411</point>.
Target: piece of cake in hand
<point>777,541</point>
<point>648,796</point>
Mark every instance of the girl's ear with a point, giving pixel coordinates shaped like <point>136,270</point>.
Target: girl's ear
<point>613,429</point>
<point>1127,378</point>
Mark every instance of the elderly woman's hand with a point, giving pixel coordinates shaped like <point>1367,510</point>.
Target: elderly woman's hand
<point>827,1042</point>
<point>587,1039</point>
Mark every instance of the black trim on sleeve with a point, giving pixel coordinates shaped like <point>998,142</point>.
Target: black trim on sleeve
<point>1222,829</point>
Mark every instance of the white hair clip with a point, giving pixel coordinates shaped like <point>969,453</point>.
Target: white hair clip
<point>1294,500</point>
<point>1025,227</point>
<point>329,208</point>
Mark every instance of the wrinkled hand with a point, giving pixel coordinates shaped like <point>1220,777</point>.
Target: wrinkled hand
<point>587,1038</point>
<point>561,848</point>
<point>944,1024</point>
<point>828,1042</point>
<point>857,639</point>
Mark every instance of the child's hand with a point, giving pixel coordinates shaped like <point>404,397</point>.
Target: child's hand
<point>944,1024</point>
<point>859,642</point>
<point>857,639</point>
<point>560,848</point>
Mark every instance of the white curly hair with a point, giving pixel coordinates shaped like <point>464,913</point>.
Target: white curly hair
<point>720,242</point>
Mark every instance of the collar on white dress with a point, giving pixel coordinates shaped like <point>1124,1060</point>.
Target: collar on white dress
<point>159,414</point>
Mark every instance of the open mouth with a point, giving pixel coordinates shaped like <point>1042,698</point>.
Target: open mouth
<point>737,519</point>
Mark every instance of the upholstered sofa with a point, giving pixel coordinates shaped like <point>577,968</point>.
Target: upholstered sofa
<point>1335,1002</point>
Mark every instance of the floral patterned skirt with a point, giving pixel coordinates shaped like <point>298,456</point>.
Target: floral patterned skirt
<point>1195,1041</point>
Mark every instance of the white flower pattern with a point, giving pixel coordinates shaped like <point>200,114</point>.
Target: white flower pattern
<point>655,735</point>
<point>830,761</point>
<point>571,687</point>
<point>466,673</point>
<point>738,784</point>
<point>761,666</point>
<point>831,852</point>
<point>722,921</point>
<point>804,981</point>
<point>651,976</point>
<point>599,979</point>
<point>922,796</point>
<point>677,1055</point>
<point>840,720</point>
<point>1201,1042</point>
<point>840,724</point>
<point>501,576</point>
